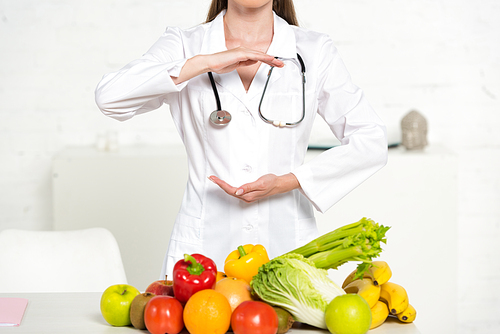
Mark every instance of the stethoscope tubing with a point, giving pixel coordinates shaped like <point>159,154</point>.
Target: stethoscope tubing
<point>221,117</point>
<point>216,93</point>
<point>281,123</point>
<point>218,117</point>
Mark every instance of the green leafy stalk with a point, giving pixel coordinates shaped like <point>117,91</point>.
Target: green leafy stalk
<point>329,240</point>
<point>359,241</point>
<point>335,257</point>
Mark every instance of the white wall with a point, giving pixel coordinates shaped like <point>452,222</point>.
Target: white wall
<point>441,57</point>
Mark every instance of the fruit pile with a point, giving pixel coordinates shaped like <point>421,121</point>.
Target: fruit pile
<point>385,298</point>
<point>256,295</point>
<point>199,298</point>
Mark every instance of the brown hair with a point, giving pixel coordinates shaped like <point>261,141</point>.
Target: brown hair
<point>282,8</point>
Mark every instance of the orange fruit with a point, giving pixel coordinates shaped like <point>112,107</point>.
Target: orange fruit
<point>220,275</point>
<point>207,312</point>
<point>236,290</point>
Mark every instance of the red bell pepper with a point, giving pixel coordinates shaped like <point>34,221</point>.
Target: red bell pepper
<point>194,273</point>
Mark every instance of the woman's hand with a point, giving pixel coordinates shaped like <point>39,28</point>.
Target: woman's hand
<point>224,62</point>
<point>230,60</point>
<point>263,187</point>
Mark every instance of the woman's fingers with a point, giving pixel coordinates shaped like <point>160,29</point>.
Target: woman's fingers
<point>276,62</point>
<point>227,61</point>
<point>242,54</point>
<point>223,185</point>
<point>241,192</point>
<point>250,192</point>
<point>262,57</point>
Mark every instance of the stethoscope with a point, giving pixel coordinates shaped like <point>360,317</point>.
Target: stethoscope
<point>221,117</point>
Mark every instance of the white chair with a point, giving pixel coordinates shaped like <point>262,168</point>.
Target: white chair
<point>59,261</point>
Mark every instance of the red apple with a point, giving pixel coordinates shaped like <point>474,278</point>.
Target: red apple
<point>161,287</point>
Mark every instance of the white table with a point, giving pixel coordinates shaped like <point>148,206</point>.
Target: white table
<point>79,313</point>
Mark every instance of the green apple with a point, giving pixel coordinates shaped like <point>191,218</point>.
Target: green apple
<point>115,304</point>
<point>348,314</point>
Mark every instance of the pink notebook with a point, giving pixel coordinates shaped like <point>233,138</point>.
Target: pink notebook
<point>12,311</point>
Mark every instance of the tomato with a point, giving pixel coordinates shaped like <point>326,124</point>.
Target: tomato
<point>163,314</point>
<point>254,317</point>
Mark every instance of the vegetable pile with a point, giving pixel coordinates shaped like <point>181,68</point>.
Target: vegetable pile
<point>254,294</point>
<point>358,241</point>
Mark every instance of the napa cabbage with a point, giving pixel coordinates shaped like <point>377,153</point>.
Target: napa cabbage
<point>293,283</point>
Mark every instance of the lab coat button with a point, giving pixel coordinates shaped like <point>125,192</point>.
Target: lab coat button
<point>248,228</point>
<point>247,168</point>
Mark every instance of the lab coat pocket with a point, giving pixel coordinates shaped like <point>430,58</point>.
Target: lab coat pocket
<point>186,235</point>
<point>282,106</point>
<point>307,230</point>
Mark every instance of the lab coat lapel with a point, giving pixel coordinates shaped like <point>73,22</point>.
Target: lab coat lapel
<point>282,45</point>
<point>213,42</point>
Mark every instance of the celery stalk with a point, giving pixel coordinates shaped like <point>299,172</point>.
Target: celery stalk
<point>359,241</point>
<point>332,258</point>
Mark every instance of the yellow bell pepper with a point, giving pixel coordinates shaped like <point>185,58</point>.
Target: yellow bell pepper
<point>245,261</point>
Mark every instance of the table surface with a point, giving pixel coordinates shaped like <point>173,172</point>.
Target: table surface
<point>79,313</point>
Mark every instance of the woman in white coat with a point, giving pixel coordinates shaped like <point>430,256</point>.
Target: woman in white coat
<point>248,182</point>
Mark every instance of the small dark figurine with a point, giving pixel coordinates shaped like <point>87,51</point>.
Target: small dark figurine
<point>414,130</point>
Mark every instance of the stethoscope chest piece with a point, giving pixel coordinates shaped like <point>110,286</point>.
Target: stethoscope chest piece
<point>220,117</point>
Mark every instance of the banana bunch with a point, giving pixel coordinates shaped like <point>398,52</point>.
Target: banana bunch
<point>385,298</point>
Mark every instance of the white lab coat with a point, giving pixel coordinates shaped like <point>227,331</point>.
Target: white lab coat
<point>211,222</point>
